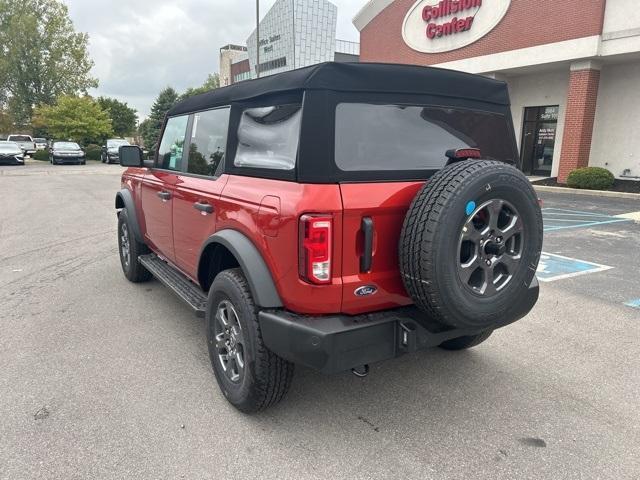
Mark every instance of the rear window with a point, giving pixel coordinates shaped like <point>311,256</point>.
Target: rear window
<point>401,137</point>
<point>268,137</point>
<point>20,138</point>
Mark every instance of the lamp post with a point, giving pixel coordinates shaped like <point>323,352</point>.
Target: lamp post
<point>258,38</point>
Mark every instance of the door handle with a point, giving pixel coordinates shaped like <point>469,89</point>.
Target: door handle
<point>205,208</point>
<point>164,195</point>
<point>367,254</point>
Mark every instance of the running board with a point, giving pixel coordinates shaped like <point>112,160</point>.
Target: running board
<point>188,291</point>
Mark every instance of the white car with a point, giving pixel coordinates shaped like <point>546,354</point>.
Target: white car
<point>11,154</point>
<point>25,142</point>
<point>41,143</point>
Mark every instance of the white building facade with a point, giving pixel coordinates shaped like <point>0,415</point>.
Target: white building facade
<point>295,34</point>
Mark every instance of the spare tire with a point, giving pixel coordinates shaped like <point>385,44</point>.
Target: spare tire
<point>471,243</point>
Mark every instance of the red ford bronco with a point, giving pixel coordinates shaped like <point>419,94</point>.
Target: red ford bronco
<point>335,216</point>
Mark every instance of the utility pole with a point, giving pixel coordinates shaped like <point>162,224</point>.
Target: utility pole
<point>258,38</point>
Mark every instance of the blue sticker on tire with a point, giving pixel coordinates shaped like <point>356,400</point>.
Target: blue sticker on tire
<point>471,206</point>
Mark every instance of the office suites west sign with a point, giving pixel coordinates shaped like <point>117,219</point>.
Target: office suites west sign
<point>450,24</point>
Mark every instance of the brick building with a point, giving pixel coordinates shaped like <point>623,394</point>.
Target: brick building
<point>573,69</point>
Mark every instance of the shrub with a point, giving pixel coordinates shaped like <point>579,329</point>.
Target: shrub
<point>591,178</point>
<point>42,155</point>
<point>92,152</point>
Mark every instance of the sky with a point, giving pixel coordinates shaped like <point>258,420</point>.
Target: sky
<point>142,46</point>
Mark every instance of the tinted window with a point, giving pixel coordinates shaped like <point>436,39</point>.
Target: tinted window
<point>116,143</point>
<point>9,147</point>
<point>268,137</point>
<point>172,144</point>
<point>20,138</point>
<point>208,141</point>
<point>66,146</point>
<point>394,137</point>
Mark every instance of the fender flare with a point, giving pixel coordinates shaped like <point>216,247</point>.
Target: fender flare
<point>253,266</point>
<point>124,201</point>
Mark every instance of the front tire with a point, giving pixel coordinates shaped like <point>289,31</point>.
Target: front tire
<point>130,250</point>
<point>250,376</point>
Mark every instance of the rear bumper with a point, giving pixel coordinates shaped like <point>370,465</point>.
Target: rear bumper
<point>338,343</point>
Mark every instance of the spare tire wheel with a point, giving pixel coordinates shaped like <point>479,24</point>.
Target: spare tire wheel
<point>471,243</point>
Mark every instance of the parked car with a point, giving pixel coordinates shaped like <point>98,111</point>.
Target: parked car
<point>11,153</point>
<point>335,216</point>
<point>25,141</point>
<point>110,150</point>
<point>66,152</point>
<point>41,143</point>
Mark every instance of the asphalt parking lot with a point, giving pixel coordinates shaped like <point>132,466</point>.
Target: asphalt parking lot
<point>104,379</point>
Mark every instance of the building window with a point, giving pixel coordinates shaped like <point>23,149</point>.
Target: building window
<point>273,64</point>
<point>539,139</point>
<point>241,77</point>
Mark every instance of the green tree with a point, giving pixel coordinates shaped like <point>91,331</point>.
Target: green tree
<point>41,56</point>
<point>166,99</point>
<point>74,118</point>
<point>211,83</point>
<point>5,121</point>
<point>123,118</point>
<point>144,132</point>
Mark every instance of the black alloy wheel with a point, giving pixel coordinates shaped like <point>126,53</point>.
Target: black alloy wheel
<point>491,245</point>
<point>229,341</point>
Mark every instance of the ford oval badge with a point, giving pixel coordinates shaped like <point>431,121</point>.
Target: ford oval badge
<point>365,291</point>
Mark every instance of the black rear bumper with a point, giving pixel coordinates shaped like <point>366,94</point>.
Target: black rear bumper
<point>337,343</point>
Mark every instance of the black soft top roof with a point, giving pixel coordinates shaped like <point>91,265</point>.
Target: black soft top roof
<point>356,77</point>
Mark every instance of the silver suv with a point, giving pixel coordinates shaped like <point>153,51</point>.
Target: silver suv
<point>25,142</point>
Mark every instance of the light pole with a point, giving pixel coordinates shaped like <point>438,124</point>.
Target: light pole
<point>258,38</point>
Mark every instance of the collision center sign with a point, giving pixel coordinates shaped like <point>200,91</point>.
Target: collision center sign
<point>431,27</point>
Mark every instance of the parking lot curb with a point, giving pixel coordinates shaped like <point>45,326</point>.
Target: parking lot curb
<point>594,193</point>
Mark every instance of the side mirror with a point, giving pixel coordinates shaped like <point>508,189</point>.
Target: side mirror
<point>130,156</point>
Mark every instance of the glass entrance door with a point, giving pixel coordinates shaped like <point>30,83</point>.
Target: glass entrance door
<point>538,139</point>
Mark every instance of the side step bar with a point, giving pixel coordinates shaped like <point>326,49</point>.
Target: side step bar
<point>188,291</point>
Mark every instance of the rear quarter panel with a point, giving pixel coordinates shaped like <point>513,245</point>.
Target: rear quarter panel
<point>276,234</point>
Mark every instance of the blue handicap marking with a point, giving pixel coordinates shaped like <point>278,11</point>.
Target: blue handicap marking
<point>562,219</point>
<point>556,267</point>
<point>633,303</point>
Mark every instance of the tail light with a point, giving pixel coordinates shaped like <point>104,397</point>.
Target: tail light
<point>315,248</point>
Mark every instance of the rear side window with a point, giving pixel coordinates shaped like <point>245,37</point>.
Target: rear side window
<point>172,144</point>
<point>401,137</point>
<point>208,142</point>
<point>268,137</point>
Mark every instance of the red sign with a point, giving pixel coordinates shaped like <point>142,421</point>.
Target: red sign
<point>446,8</point>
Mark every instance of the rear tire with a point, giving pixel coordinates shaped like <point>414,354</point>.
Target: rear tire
<point>471,243</point>
<point>130,250</point>
<point>462,343</point>
<point>251,377</point>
